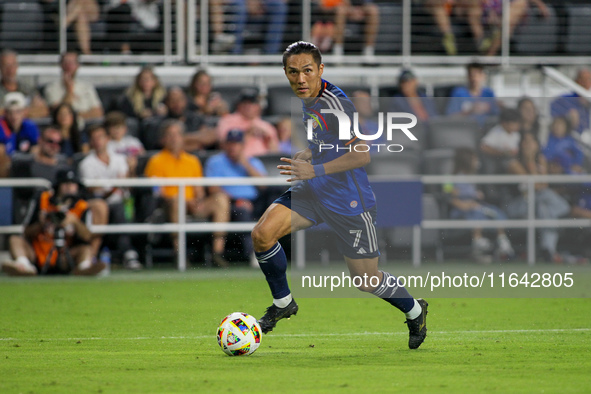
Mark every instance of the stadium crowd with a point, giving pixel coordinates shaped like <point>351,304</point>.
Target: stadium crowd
<point>150,129</point>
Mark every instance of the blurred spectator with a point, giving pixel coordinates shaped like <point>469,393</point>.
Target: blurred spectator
<point>101,163</point>
<point>260,136</point>
<point>284,135</point>
<point>562,150</point>
<point>144,98</point>
<point>530,118</point>
<point>501,144</point>
<point>61,209</point>
<point>173,161</point>
<point>122,143</point>
<point>493,15</point>
<point>233,162</point>
<point>354,10</point>
<point>222,41</point>
<point>134,22</point>
<point>73,140</point>
<point>81,13</point>
<point>82,96</point>
<point>411,100</point>
<point>574,107</point>
<point>47,159</point>
<point>471,10</point>
<point>474,100</point>
<point>468,203</point>
<point>17,134</point>
<point>270,13</point>
<point>198,135</point>
<point>37,108</point>
<point>549,204</point>
<point>203,99</point>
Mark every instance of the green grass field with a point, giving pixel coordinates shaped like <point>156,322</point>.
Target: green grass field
<point>154,332</point>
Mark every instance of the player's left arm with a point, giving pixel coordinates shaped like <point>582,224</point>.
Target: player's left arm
<point>301,170</point>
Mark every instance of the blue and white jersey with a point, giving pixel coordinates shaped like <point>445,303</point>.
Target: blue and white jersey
<point>346,193</point>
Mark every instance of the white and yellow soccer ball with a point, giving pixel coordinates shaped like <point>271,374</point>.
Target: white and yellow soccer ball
<point>239,334</point>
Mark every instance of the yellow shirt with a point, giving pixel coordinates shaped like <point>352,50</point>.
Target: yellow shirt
<point>165,165</point>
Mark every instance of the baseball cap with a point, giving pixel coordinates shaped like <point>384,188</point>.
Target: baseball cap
<point>249,94</point>
<point>66,175</point>
<point>235,135</point>
<point>406,75</point>
<point>15,100</point>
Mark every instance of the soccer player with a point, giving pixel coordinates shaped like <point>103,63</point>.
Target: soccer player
<point>334,188</point>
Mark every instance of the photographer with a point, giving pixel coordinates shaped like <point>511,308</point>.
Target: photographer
<point>56,233</point>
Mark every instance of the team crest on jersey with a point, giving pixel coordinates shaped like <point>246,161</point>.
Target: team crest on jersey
<point>314,124</point>
<point>353,204</point>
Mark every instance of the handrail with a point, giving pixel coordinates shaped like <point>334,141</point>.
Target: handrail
<point>566,81</point>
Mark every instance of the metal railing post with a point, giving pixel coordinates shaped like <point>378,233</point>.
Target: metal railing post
<point>182,230</point>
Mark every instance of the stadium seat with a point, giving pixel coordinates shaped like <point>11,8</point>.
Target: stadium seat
<point>442,94</point>
<point>537,35</point>
<point>438,161</point>
<point>578,30</point>
<point>6,206</point>
<point>109,94</point>
<point>453,132</point>
<point>388,163</point>
<point>281,101</point>
<point>21,25</point>
<point>389,39</point>
<point>150,133</point>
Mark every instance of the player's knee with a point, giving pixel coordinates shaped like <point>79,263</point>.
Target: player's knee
<point>362,285</point>
<point>262,238</point>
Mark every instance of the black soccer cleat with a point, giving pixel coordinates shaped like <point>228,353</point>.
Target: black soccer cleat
<point>417,328</point>
<point>274,314</point>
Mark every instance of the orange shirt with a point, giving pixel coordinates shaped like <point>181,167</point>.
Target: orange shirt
<point>165,165</point>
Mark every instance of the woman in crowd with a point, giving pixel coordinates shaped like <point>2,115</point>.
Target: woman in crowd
<point>144,98</point>
<point>73,140</point>
<point>203,99</point>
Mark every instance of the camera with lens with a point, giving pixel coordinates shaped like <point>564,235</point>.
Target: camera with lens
<point>56,218</point>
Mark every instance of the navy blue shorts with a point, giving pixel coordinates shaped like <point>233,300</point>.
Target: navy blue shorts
<point>356,235</point>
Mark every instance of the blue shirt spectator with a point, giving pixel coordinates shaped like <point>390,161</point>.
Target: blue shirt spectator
<point>475,99</point>
<point>573,107</point>
<point>232,163</point>
<point>17,133</point>
<point>562,148</point>
<point>411,99</point>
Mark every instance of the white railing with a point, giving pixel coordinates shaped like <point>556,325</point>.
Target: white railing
<point>183,41</point>
<point>182,227</point>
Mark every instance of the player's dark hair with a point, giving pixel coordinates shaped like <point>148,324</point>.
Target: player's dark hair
<point>463,160</point>
<point>300,47</point>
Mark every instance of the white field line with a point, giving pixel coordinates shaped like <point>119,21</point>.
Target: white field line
<point>316,335</point>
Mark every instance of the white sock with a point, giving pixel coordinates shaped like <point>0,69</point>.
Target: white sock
<point>283,302</point>
<point>414,312</point>
<point>337,50</point>
<point>25,262</point>
<point>368,51</point>
<point>84,264</point>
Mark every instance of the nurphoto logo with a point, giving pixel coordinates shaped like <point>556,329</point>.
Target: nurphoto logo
<point>345,130</point>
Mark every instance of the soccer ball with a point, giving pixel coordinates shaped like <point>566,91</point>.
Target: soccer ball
<point>239,334</point>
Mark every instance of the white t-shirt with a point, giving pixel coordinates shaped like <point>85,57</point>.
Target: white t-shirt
<point>128,146</point>
<point>498,138</point>
<point>94,168</point>
<point>85,95</point>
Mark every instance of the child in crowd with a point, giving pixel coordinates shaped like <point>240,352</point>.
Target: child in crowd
<point>562,149</point>
<point>121,142</point>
